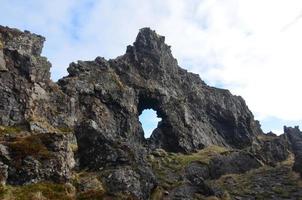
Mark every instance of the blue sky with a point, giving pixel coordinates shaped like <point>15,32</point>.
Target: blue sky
<point>251,47</point>
<point>149,121</point>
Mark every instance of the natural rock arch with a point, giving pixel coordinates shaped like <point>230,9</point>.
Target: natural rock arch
<point>99,102</point>
<point>193,114</point>
<point>112,93</point>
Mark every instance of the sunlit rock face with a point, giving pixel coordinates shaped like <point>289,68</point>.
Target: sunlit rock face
<point>193,114</point>
<point>27,95</point>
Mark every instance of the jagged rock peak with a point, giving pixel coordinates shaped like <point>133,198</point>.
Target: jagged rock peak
<point>289,130</point>
<point>151,46</point>
<point>23,42</point>
<point>148,39</point>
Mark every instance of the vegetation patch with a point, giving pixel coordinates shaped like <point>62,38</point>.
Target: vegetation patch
<point>204,155</point>
<point>263,183</point>
<point>168,166</point>
<point>177,161</point>
<point>39,191</point>
<point>1,44</point>
<point>117,81</point>
<point>65,130</point>
<point>10,130</point>
<point>91,195</point>
<point>88,186</point>
<point>30,146</point>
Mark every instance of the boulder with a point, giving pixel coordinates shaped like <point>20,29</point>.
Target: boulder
<point>232,163</point>
<point>196,173</point>
<point>130,183</point>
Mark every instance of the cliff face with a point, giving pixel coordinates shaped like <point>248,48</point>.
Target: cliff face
<point>28,96</point>
<point>89,121</point>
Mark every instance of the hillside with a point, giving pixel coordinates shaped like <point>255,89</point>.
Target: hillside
<point>80,138</point>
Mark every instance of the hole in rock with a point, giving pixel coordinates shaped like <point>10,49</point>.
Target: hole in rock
<point>149,121</point>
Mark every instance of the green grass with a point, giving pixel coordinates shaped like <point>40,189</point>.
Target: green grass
<point>176,162</point>
<point>203,155</point>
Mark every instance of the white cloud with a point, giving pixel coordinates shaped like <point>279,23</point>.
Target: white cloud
<point>251,47</point>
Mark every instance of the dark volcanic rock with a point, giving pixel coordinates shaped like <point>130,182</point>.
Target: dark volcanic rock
<point>232,163</point>
<point>277,183</point>
<point>295,137</point>
<point>127,170</point>
<point>271,148</point>
<point>148,76</point>
<point>23,66</point>
<point>196,173</point>
<point>103,149</point>
<point>135,184</point>
<point>35,158</point>
<point>30,101</point>
<point>27,95</point>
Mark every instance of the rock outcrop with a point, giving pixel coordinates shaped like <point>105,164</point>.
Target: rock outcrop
<point>27,95</point>
<point>271,148</point>
<point>31,104</point>
<point>295,137</point>
<point>38,158</point>
<point>148,76</point>
<point>83,135</point>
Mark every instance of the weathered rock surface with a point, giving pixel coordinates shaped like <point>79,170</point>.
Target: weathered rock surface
<point>35,158</point>
<point>270,148</point>
<point>232,163</point>
<point>27,95</point>
<point>123,165</point>
<point>295,137</point>
<point>148,76</point>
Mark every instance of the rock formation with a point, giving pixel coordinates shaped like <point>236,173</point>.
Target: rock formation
<point>295,138</point>
<point>85,130</point>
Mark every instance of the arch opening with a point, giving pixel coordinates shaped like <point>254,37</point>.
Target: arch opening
<point>149,121</point>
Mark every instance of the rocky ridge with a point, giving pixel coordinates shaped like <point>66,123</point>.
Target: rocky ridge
<point>82,139</point>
